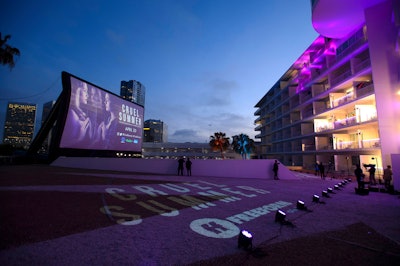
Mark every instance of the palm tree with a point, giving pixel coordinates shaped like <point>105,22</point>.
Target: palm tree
<point>7,52</point>
<point>243,144</point>
<point>219,142</point>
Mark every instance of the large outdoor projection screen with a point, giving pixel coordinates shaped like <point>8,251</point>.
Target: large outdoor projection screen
<point>99,120</point>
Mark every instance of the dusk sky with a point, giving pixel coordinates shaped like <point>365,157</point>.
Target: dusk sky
<point>205,63</point>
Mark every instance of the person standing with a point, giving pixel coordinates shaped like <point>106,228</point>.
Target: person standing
<point>316,168</point>
<point>275,168</point>
<point>321,170</point>
<point>189,167</point>
<point>387,176</point>
<point>371,171</point>
<point>359,176</point>
<point>181,162</point>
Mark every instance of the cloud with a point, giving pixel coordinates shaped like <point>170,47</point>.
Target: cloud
<point>184,135</point>
<point>216,92</point>
<point>198,127</point>
<point>222,84</point>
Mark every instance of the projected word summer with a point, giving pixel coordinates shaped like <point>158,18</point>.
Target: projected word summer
<point>128,208</point>
<point>130,115</point>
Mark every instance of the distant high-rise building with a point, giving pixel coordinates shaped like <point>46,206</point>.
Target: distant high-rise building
<point>133,91</point>
<point>47,107</point>
<point>19,126</point>
<point>155,131</point>
<point>46,110</point>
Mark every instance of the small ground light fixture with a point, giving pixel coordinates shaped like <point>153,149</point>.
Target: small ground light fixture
<point>315,198</point>
<point>280,216</point>
<point>245,240</point>
<point>301,205</point>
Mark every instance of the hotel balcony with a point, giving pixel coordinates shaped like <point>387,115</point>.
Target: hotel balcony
<point>336,19</point>
<point>362,144</point>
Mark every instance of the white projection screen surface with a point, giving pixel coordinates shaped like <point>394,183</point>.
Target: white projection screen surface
<point>99,120</point>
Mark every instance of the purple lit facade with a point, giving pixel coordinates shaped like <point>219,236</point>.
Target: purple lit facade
<point>340,100</point>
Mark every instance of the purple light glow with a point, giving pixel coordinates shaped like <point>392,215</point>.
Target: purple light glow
<point>336,19</point>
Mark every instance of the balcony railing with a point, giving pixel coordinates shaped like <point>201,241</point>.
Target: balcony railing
<point>350,121</point>
<point>325,127</point>
<point>365,91</point>
<point>342,100</point>
<point>344,123</point>
<point>341,77</point>
<point>362,144</point>
<point>307,147</point>
<point>362,65</point>
<point>351,44</point>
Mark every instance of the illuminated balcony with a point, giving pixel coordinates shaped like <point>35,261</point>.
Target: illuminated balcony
<point>336,19</point>
<point>362,144</point>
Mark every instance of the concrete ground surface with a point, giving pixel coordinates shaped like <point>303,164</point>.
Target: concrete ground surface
<point>64,216</point>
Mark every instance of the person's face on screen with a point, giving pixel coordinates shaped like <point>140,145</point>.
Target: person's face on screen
<point>84,94</point>
<point>107,102</point>
<point>93,94</point>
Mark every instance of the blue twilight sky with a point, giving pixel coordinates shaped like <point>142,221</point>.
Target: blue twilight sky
<point>204,63</point>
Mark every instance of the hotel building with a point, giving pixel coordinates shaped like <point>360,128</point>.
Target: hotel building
<point>339,102</point>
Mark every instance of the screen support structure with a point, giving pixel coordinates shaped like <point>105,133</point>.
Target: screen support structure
<point>50,123</point>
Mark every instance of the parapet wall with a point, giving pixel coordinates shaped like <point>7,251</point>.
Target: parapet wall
<point>211,168</point>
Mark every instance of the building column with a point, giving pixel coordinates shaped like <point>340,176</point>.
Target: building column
<point>385,61</point>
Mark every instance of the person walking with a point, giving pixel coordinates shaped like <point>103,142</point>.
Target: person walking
<point>181,162</point>
<point>275,168</point>
<point>387,176</point>
<point>189,167</point>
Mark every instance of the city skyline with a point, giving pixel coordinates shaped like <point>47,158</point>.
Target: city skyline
<point>205,64</point>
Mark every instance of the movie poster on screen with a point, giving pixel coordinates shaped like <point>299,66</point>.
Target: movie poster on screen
<point>100,120</point>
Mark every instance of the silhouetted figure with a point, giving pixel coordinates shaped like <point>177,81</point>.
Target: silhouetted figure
<point>275,168</point>
<point>181,162</point>
<point>189,167</point>
<point>359,176</point>
<point>316,168</point>
<point>387,176</point>
<point>372,174</point>
<point>330,169</point>
<point>321,170</point>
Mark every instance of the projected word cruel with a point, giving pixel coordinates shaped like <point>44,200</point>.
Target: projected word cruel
<point>130,115</point>
<point>162,203</point>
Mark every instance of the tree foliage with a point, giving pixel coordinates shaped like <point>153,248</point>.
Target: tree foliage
<point>219,142</point>
<point>243,145</point>
<point>7,53</point>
